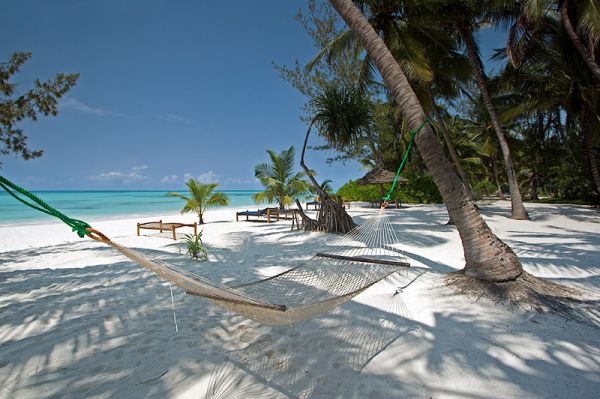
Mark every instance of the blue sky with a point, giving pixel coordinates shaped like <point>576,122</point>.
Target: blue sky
<point>168,90</point>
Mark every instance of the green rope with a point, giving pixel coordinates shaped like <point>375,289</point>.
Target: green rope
<point>413,134</point>
<point>77,226</point>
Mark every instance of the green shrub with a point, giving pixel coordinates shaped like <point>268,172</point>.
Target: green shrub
<point>418,189</point>
<point>482,187</point>
<point>568,181</point>
<point>353,192</point>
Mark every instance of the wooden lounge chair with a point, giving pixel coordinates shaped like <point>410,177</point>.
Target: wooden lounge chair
<point>316,204</point>
<point>165,227</point>
<point>268,212</point>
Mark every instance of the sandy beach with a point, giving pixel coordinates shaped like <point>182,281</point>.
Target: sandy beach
<point>78,320</point>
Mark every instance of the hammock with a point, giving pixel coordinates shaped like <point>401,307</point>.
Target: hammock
<point>355,261</point>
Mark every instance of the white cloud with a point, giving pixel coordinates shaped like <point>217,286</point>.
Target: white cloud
<point>207,177</point>
<point>132,176</point>
<point>74,104</point>
<point>169,117</point>
<point>237,180</point>
<point>169,179</point>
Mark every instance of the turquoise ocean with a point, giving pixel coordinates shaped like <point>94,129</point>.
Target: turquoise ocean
<point>98,205</point>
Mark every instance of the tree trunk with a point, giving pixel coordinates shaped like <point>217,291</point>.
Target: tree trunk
<point>200,218</point>
<point>588,145</point>
<point>486,256</point>
<point>332,217</point>
<point>587,58</point>
<point>518,209</point>
<point>496,178</point>
<point>449,143</point>
<point>533,186</point>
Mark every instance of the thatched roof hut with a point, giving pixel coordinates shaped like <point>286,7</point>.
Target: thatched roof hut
<point>379,176</point>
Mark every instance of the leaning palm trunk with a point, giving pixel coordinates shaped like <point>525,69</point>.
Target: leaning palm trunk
<point>449,143</point>
<point>486,256</point>
<point>518,209</point>
<point>332,217</point>
<point>570,30</point>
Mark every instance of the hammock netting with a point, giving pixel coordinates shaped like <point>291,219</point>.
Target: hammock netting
<point>351,264</point>
<point>318,285</point>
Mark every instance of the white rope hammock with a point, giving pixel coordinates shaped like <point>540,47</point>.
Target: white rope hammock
<point>352,263</point>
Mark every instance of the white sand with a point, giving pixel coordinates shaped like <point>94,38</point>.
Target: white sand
<point>79,320</point>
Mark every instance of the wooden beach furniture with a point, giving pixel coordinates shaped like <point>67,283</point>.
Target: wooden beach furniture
<point>165,227</point>
<point>268,212</point>
<point>315,204</point>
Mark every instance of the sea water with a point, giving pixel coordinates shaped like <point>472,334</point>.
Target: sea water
<point>98,205</point>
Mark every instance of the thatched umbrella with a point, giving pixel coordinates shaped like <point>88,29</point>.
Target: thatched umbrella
<point>379,176</point>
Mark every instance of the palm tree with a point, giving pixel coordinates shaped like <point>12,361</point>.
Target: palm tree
<point>426,53</point>
<point>325,186</point>
<point>547,75</point>
<point>463,18</point>
<point>576,16</point>
<point>281,184</point>
<point>201,197</point>
<point>486,256</point>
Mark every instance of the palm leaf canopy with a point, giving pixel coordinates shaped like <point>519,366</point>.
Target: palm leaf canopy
<point>342,114</point>
<point>201,196</point>
<point>278,178</point>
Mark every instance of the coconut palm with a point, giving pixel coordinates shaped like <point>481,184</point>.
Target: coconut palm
<point>426,53</point>
<point>486,256</point>
<point>581,22</point>
<point>281,184</point>
<point>200,197</point>
<point>547,75</point>
<point>466,18</point>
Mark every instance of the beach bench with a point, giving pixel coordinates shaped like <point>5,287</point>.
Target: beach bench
<point>268,212</point>
<point>315,204</point>
<point>165,227</point>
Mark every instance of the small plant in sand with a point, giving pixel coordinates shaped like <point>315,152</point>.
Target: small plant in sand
<point>194,246</point>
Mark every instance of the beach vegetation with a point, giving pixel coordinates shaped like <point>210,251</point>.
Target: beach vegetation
<point>194,246</point>
<point>325,186</point>
<point>281,183</point>
<point>419,189</point>
<point>342,114</point>
<point>17,105</point>
<point>200,197</point>
<point>491,266</point>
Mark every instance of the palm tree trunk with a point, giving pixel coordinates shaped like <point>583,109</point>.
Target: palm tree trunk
<point>518,209</point>
<point>449,143</point>
<point>332,216</point>
<point>587,58</point>
<point>496,178</point>
<point>588,145</point>
<point>486,256</point>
